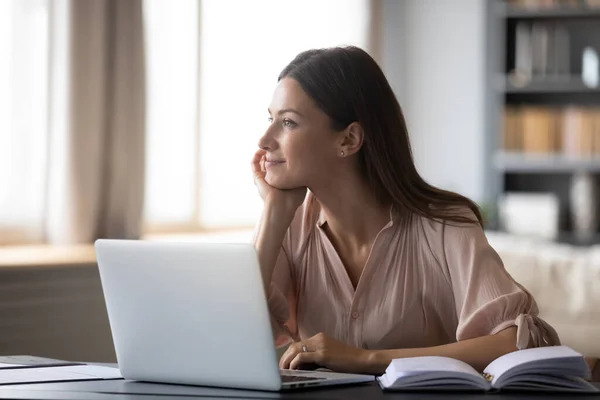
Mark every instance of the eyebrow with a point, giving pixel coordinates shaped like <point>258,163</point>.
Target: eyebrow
<point>286,110</point>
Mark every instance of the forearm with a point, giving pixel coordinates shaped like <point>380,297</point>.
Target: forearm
<point>274,222</point>
<point>477,352</point>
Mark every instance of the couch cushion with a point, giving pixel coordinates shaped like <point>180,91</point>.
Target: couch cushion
<point>564,280</point>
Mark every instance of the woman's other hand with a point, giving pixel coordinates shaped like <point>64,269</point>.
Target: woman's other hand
<point>290,199</point>
<point>325,352</point>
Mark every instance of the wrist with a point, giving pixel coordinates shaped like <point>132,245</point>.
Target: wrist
<point>280,209</point>
<point>375,361</point>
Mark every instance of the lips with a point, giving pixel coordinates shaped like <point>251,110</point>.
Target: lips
<point>273,163</point>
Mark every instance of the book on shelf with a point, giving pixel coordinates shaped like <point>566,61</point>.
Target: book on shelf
<point>542,52</point>
<point>543,369</point>
<point>596,134</point>
<point>549,4</point>
<point>539,130</point>
<point>579,132</point>
<point>513,140</point>
<point>571,131</point>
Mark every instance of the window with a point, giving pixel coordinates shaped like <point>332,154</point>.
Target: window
<point>171,198</point>
<point>23,118</point>
<point>208,96</point>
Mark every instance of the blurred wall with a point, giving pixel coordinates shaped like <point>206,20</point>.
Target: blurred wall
<point>54,310</point>
<point>434,56</point>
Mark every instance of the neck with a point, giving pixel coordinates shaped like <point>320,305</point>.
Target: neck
<point>353,214</point>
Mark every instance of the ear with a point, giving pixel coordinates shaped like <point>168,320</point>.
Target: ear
<point>351,140</point>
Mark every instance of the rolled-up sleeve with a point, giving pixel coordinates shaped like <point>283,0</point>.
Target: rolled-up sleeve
<point>487,299</point>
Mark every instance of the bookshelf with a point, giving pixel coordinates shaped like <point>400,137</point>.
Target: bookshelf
<point>508,162</point>
<point>568,85</point>
<point>558,12</point>
<point>542,116</point>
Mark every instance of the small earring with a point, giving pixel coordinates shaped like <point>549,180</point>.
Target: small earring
<point>342,153</point>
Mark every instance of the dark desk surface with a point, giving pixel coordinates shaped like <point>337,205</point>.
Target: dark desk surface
<point>128,390</point>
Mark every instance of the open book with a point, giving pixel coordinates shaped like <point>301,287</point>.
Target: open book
<point>554,368</point>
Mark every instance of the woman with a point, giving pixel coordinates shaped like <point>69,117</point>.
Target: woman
<point>372,263</point>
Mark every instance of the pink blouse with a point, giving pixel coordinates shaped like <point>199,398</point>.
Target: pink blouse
<point>425,283</point>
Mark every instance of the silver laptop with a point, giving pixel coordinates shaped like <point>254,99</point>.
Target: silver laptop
<point>195,313</point>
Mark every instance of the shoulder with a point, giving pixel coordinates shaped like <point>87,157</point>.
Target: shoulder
<point>446,235</point>
<point>440,226</point>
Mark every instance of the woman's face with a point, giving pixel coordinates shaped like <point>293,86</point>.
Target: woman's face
<point>301,146</point>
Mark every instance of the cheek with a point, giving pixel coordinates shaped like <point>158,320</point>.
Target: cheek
<point>308,157</point>
<point>309,154</point>
<point>296,172</point>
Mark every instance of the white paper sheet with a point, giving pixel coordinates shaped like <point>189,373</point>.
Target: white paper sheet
<point>4,365</point>
<point>53,374</point>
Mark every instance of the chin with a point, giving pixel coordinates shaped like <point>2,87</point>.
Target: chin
<point>280,182</point>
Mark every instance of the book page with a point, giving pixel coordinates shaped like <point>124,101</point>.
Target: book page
<point>551,354</point>
<point>415,365</point>
<point>431,373</point>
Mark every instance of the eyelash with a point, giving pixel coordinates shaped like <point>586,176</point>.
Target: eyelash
<point>289,123</point>
<point>286,122</point>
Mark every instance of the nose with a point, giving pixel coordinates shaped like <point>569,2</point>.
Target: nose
<point>267,141</point>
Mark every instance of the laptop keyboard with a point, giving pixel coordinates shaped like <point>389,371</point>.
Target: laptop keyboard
<point>296,378</point>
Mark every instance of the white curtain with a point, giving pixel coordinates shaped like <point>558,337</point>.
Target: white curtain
<point>172,29</point>
<point>72,120</point>
<point>24,48</point>
<point>97,116</point>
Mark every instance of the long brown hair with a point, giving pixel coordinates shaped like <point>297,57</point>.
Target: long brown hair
<point>348,85</point>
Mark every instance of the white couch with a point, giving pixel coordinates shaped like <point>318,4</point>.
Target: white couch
<point>564,280</point>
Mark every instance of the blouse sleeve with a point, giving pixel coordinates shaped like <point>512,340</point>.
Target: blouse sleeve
<point>281,297</point>
<point>282,294</point>
<point>486,297</point>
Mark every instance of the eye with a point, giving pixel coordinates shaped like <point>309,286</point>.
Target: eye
<point>288,123</point>
<point>270,119</point>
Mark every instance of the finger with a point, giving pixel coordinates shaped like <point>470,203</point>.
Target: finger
<point>312,343</point>
<point>316,342</point>
<point>257,161</point>
<point>306,358</point>
<point>288,356</point>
